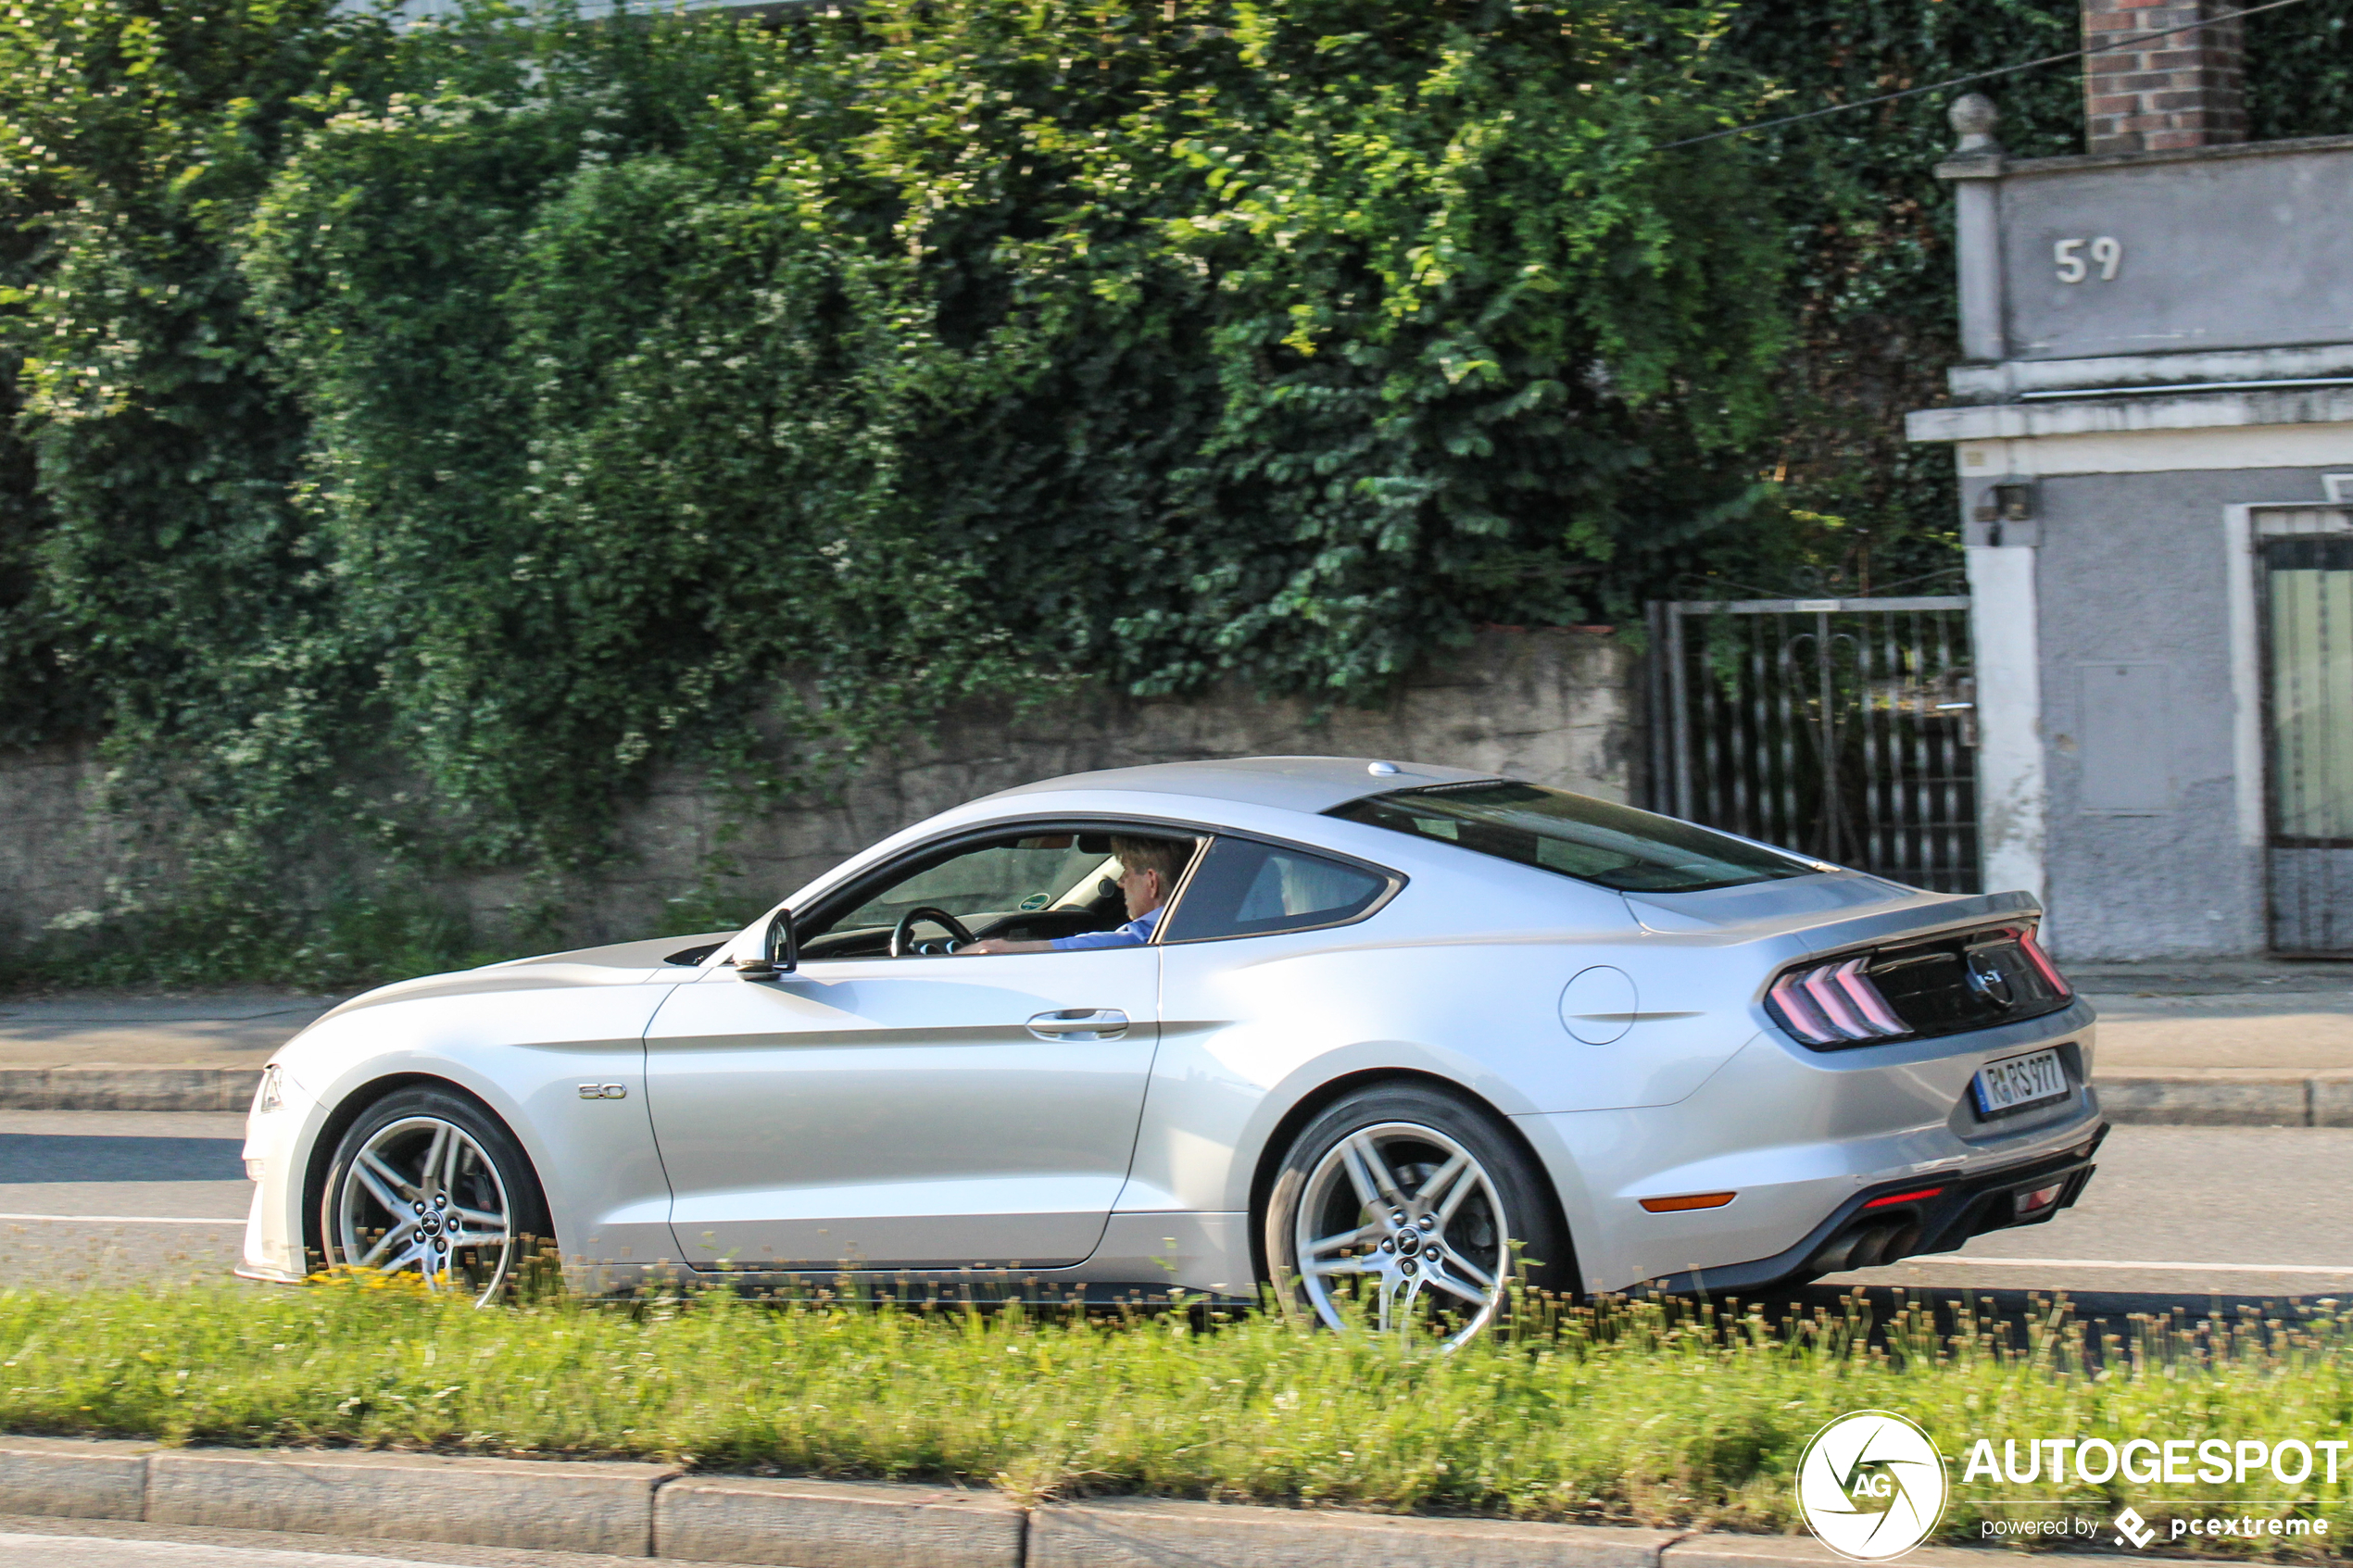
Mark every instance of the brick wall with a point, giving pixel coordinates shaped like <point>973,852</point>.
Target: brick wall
<point>2178,91</point>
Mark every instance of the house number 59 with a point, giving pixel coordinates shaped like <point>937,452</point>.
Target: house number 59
<point>2107,255</point>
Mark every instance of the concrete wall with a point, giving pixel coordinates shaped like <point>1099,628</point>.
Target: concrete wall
<point>1552,707</point>
<point>55,852</point>
<point>2156,342</point>
<point>2220,247</point>
<point>2146,854</point>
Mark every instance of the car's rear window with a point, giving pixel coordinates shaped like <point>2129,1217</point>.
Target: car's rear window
<point>1248,889</point>
<point>1575,836</point>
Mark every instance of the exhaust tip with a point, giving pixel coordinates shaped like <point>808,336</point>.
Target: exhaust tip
<point>1864,1246</point>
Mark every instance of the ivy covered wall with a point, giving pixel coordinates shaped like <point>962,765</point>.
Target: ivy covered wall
<point>420,441</point>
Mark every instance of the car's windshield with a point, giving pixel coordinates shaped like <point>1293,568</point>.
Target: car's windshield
<point>1575,836</point>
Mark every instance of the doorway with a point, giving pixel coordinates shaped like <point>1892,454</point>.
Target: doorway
<point>2305,588</point>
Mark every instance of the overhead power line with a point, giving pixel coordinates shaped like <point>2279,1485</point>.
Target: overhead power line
<point>2136,40</point>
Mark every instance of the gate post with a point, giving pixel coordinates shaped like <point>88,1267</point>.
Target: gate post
<point>2007,649</point>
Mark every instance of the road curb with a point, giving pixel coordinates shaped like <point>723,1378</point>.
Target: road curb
<point>74,1477</point>
<point>1783,1551</point>
<point>545,1505</point>
<point>836,1523</point>
<point>2229,1098</point>
<point>1156,1533</point>
<point>628,1510</point>
<point>128,1089</point>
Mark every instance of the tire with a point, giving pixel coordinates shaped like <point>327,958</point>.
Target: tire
<point>427,1181</point>
<point>1437,1252</point>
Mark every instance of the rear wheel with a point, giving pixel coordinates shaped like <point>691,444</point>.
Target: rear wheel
<point>1405,1207</point>
<point>427,1182</point>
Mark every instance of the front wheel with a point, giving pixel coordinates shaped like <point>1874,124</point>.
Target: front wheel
<point>428,1182</point>
<point>1409,1207</point>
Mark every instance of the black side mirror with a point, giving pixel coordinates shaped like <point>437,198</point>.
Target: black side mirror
<point>779,952</point>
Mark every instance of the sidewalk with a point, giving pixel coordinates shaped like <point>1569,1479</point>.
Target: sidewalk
<point>102,1051</point>
<point>2244,1043</point>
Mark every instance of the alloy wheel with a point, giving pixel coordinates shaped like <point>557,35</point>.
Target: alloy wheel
<point>1407,1213</point>
<point>422,1195</point>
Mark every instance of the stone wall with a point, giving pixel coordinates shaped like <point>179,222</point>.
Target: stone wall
<point>55,852</point>
<point>1552,707</point>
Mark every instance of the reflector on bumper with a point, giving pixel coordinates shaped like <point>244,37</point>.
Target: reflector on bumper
<point>2038,1199</point>
<point>1688,1200</point>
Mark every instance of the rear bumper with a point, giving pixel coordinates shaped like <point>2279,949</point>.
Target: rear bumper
<point>1902,1219</point>
<point>1803,1139</point>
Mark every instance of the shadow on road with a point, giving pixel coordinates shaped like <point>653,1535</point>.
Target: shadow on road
<point>72,1157</point>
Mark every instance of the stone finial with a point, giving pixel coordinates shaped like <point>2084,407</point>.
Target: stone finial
<point>1973,116</point>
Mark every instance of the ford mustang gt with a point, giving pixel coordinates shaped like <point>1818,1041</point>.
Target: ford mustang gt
<point>1380,1035</point>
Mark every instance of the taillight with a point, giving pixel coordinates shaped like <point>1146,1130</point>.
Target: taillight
<point>1834,1003</point>
<point>1797,1013</point>
<point>2042,960</point>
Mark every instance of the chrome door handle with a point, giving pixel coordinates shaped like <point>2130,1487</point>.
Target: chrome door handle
<point>1080,1024</point>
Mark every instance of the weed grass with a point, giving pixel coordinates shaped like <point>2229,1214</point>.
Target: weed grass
<point>1636,1412</point>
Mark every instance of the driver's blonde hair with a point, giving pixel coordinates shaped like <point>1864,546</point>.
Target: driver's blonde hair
<point>1162,854</point>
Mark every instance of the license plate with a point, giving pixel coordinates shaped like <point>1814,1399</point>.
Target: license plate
<point>2019,1082</point>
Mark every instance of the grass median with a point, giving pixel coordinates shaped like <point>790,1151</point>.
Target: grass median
<point>1635,1412</point>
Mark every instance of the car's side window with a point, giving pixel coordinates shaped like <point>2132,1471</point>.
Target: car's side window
<point>1026,886</point>
<point>1245,888</point>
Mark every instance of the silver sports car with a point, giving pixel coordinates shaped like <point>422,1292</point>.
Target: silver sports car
<point>1378,1032</point>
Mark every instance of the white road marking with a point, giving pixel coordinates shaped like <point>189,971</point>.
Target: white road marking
<point>123,1220</point>
<point>2114,1263</point>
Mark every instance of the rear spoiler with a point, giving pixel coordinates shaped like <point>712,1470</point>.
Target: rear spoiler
<point>1854,911</point>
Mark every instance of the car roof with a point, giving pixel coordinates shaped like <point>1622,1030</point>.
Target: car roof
<point>1296,783</point>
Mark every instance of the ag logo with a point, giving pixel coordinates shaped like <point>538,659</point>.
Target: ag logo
<point>1871,1484</point>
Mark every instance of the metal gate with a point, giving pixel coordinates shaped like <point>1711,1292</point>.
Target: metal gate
<point>2307,595</point>
<point>1844,729</point>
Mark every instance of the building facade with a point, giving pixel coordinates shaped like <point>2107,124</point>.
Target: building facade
<point>2154,432</point>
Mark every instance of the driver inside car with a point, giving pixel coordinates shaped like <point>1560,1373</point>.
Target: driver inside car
<point>1147,872</point>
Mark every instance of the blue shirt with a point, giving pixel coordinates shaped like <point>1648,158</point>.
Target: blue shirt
<point>1135,933</point>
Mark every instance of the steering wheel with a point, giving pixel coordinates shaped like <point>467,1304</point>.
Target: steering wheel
<point>902,934</point>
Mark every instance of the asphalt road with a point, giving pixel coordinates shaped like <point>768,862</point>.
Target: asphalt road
<point>104,1197</point>
<point>2185,1213</point>
<point>2196,1220</point>
<point>89,1543</point>
<point>2205,1224</point>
